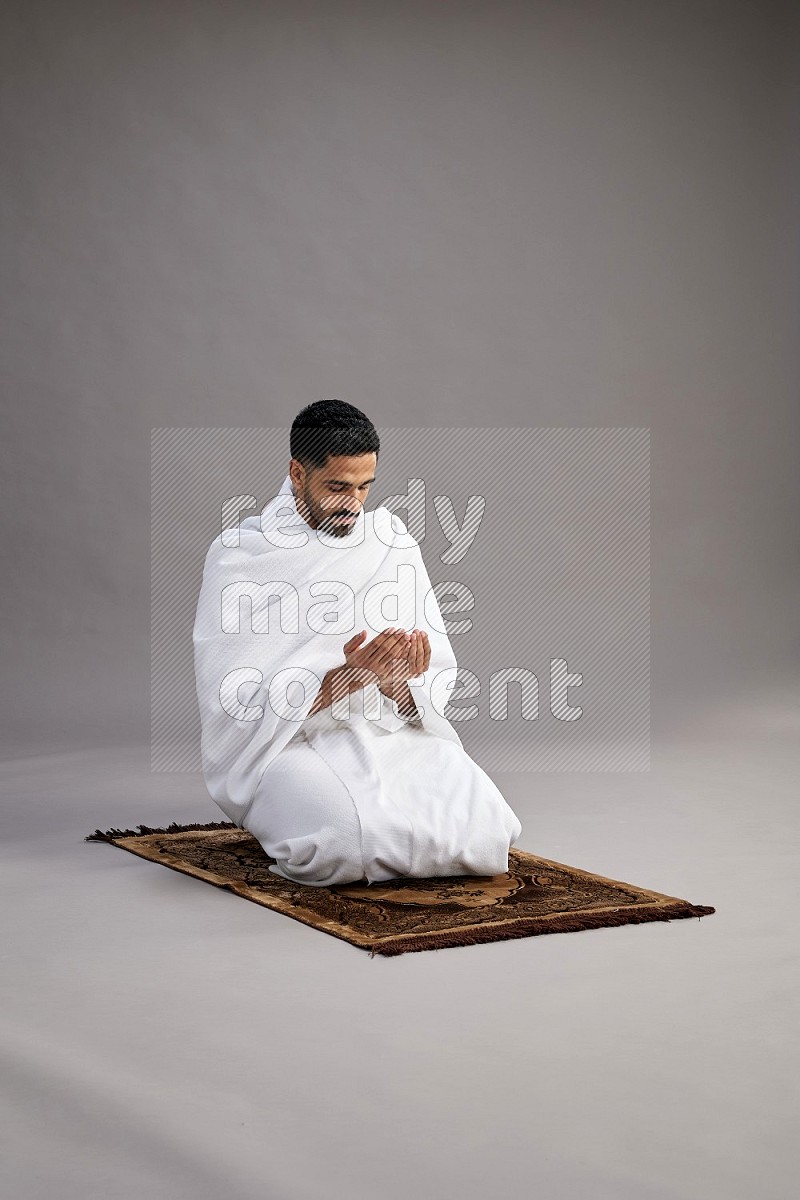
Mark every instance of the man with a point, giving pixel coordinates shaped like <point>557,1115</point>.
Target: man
<point>361,776</point>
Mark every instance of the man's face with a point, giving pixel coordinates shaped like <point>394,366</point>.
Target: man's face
<point>330,497</point>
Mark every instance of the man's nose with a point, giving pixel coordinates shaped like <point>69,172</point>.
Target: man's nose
<point>344,503</point>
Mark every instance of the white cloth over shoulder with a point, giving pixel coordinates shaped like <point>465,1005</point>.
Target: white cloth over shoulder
<point>277,602</point>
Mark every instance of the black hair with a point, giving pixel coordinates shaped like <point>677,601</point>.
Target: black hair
<point>331,428</point>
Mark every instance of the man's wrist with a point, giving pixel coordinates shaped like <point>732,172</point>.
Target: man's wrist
<point>323,696</point>
<point>403,699</point>
<point>330,688</point>
<point>393,685</point>
<point>339,681</point>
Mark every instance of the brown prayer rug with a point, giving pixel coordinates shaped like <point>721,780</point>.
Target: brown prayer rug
<point>536,896</point>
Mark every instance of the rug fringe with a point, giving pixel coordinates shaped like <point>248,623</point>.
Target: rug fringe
<point>144,830</point>
<point>535,926</point>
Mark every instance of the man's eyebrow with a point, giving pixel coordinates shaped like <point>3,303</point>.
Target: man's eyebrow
<point>345,482</point>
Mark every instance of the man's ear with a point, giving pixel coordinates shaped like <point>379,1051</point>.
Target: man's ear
<point>297,473</point>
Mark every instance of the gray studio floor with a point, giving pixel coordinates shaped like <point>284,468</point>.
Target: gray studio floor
<point>164,1038</point>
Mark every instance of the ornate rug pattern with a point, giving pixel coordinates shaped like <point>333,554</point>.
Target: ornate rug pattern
<point>536,896</point>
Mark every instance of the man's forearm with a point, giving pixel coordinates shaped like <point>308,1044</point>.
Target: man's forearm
<point>338,682</point>
<point>323,697</point>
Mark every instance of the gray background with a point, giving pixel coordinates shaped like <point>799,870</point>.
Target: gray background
<point>549,215</point>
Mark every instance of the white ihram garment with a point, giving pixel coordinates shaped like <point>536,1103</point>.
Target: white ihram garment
<point>332,800</point>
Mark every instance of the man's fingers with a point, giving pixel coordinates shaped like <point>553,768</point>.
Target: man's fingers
<point>364,653</point>
<point>393,647</point>
<point>423,651</point>
<point>377,644</point>
<point>390,646</point>
<point>414,655</point>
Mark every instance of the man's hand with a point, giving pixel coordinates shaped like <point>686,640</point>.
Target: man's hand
<point>378,656</point>
<point>392,657</point>
<point>416,662</point>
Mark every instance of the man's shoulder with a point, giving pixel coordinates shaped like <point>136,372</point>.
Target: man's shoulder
<point>234,541</point>
<point>391,529</point>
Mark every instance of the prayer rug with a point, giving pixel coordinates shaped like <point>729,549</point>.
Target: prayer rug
<point>536,896</point>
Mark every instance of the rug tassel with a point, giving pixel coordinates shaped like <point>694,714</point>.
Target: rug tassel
<point>144,830</point>
<point>567,923</point>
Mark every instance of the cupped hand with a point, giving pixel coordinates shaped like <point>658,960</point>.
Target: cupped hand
<point>378,656</point>
<point>414,662</point>
<point>420,655</point>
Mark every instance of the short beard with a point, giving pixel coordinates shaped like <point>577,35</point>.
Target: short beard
<point>325,523</point>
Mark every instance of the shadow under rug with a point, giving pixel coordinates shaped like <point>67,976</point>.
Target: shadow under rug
<point>536,896</point>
